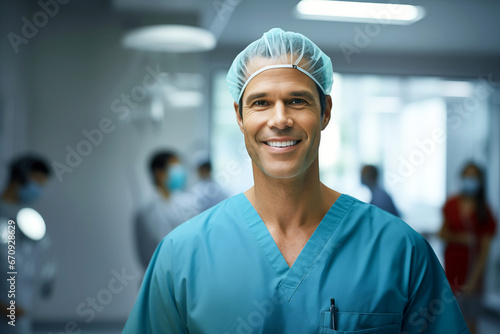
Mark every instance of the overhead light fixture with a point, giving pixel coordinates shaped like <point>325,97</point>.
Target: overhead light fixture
<point>368,12</point>
<point>170,38</point>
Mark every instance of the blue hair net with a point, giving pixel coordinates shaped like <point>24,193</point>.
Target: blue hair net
<point>279,49</point>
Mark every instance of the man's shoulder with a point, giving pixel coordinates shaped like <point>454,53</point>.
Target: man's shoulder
<point>378,222</point>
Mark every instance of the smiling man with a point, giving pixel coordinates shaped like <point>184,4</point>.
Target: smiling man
<point>290,255</point>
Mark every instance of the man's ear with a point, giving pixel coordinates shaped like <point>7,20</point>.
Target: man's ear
<point>238,116</point>
<point>328,112</point>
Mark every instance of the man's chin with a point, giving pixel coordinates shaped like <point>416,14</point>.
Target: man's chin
<point>281,173</point>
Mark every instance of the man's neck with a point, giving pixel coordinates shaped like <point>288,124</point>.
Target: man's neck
<point>163,191</point>
<point>291,204</point>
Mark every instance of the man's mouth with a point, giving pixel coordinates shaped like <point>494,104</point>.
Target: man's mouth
<point>282,143</point>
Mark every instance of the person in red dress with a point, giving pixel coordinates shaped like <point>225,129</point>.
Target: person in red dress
<point>467,230</point>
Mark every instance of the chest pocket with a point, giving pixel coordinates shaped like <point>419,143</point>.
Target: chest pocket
<point>361,323</point>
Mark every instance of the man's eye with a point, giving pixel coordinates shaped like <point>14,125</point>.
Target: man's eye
<point>260,103</point>
<point>297,101</point>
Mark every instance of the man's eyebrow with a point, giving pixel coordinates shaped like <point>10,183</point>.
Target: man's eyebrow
<point>305,94</point>
<point>252,97</point>
<point>302,93</point>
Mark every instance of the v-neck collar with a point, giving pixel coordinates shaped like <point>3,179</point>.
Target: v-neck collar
<point>294,275</point>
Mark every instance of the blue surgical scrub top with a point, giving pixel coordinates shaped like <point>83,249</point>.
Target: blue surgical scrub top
<point>221,272</point>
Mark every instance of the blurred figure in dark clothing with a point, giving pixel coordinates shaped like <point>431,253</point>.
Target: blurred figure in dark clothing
<point>467,230</point>
<point>380,198</point>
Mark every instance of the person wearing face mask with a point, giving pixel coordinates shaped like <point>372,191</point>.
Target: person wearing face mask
<point>27,176</point>
<point>467,230</point>
<point>170,206</point>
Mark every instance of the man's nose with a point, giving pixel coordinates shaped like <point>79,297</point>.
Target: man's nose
<point>280,118</point>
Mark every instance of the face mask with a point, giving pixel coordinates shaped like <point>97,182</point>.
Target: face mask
<point>177,177</point>
<point>470,185</point>
<point>29,192</point>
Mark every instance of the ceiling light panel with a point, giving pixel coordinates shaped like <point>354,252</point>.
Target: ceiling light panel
<point>348,11</point>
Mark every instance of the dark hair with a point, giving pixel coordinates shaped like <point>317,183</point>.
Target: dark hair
<point>22,167</point>
<point>322,102</point>
<point>480,197</point>
<point>206,165</point>
<point>371,172</point>
<point>160,160</point>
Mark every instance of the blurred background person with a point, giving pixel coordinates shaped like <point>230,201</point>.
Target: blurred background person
<point>170,206</point>
<point>380,198</point>
<point>207,191</point>
<point>35,272</point>
<point>467,230</point>
<point>27,176</point>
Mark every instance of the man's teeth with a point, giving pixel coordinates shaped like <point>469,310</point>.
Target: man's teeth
<point>282,143</point>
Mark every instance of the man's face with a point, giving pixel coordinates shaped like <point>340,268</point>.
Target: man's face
<point>282,121</point>
<point>161,175</point>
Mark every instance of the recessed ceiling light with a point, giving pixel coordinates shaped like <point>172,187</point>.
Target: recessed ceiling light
<point>170,38</point>
<point>368,12</point>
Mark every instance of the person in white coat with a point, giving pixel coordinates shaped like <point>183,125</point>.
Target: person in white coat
<point>170,206</point>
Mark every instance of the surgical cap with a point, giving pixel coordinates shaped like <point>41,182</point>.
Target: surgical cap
<point>280,49</point>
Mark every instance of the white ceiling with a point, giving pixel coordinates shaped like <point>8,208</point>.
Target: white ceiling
<point>453,27</point>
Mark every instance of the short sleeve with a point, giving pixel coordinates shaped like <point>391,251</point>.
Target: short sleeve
<point>432,307</point>
<point>156,309</point>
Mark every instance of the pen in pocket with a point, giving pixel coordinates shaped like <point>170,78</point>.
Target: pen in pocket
<point>332,313</point>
